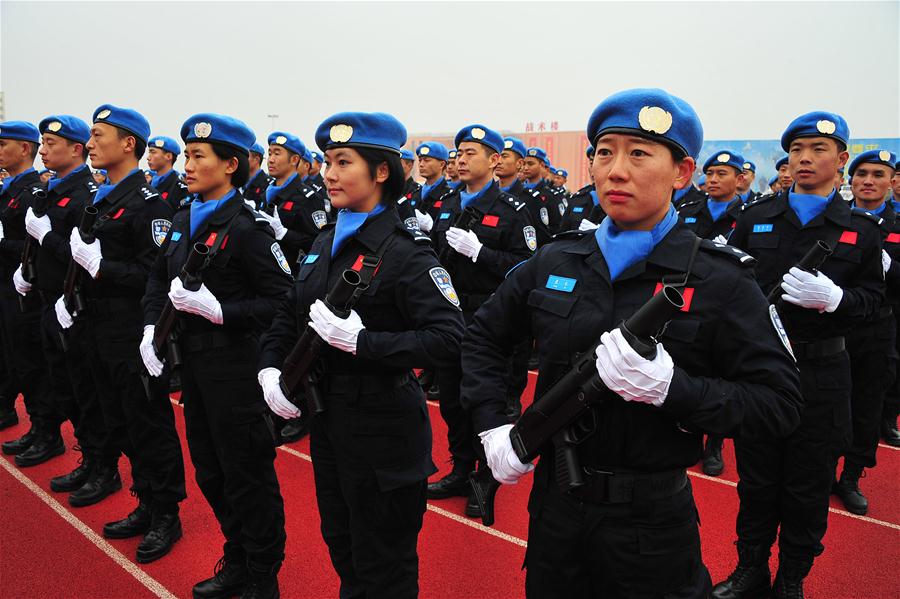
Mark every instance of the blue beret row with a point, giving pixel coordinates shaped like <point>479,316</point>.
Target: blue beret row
<point>166,144</point>
<point>407,154</point>
<point>773,180</point>
<point>451,153</point>
<point>884,157</point>
<point>538,153</point>
<point>68,126</point>
<point>562,172</point>
<point>515,144</point>
<point>208,127</point>
<point>749,166</point>
<point>377,130</point>
<point>126,119</point>
<point>781,162</point>
<point>289,141</point>
<point>589,151</point>
<point>257,148</point>
<point>480,134</point>
<point>725,158</point>
<point>434,150</point>
<point>816,124</point>
<point>701,181</point>
<point>316,156</point>
<point>21,130</point>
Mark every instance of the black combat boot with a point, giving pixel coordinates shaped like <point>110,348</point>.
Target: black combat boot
<point>134,524</point>
<point>750,579</point>
<point>229,577</point>
<point>455,484</point>
<point>66,483</point>
<point>262,582</point>
<point>17,446</point>
<point>103,482</point>
<point>847,490</point>
<point>889,431</point>
<point>165,530</point>
<point>789,579</point>
<point>712,456</point>
<point>46,445</point>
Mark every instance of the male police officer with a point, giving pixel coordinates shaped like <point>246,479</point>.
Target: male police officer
<point>162,152</point>
<point>543,202</point>
<point>255,188</point>
<point>788,482</point>
<point>889,431</point>
<point>782,167</point>
<point>560,176</point>
<point>512,158</point>
<point>432,162</point>
<point>452,174</point>
<point>745,187</point>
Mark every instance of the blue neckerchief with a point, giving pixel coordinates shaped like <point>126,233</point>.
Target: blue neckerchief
<point>529,185</point>
<point>717,208</point>
<point>466,198</point>
<point>808,206</point>
<point>348,223</point>
<point>52,183</point>
<point>895,204</point>
<point>744,196</point>
<point>878,210</point>
<point>594,197</point>
<point>11,180</point>
<point>454,184</point>
<point>252,177</point>
<point>272,190</point>
<point>680,193</point>
<point>622,249</point>
<point>304,179</point>
<point>157,179</point>
<point>105,189</point>
<point>201,210</point>
<point>426,188</point>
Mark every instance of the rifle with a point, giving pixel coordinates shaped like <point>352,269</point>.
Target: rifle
<point>464,220</point>
<point>71,284</point>
<point>811,263</point>
<point>297,371</point>
<point>39,206</point>
<point>163,333</point>
<point>557,415</point>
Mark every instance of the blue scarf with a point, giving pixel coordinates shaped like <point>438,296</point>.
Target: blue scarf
<point>895,205</point>
<point>680,193</point>
<point>878,210</point>
<point>466,198</point>
<point>594,197</point>
<point>202,209</point>
<point>529,185</point>
<point>426,188</point>
<point>454,184</point>
<point>807,206</point>
<point>716,208</point>
<point>273,190</point>
<point>348,223</point>
<point>622,249</point>
<point>744,196</point>
<point>252,177</point>
<point>51,185</point>
<point>105,189</point>
<point>157,179</point>
<point>11,180</point>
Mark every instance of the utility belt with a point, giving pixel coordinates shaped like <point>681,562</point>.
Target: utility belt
<point>629,487</point>
<point>191,343</point>
<point>101,307</point>
<point>368,383</point>
<point>810,350</point>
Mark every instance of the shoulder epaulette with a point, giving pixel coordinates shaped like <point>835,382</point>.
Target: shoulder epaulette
<point>413,231</point>
<point>689,204</point>
<point>732,252</point>
<point>91,185</point>
<point>857,211</point>
<point>149,192</point>
<point>513,201</point>
<point>585,189</point>
<point>573,234</point>
<point>759,200</point>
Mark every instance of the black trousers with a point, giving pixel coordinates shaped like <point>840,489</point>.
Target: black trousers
<point>873,368</point>
<point>141,427</point>
<point>233,449</point>
<point>891,408</point>
<point>9,385</point>
<point>787,482</point>
<point>579,550</point>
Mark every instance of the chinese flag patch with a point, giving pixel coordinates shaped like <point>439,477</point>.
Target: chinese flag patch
<point>211,239</point>
<point>848,237</point>
<point>63,202</point>
<point>686,292</point>
<point>438,204</point>
<point>165,195</point>
<point>893,238</point>
<point>287,206</point>
<point>118,214</point>
<point>490,220</point>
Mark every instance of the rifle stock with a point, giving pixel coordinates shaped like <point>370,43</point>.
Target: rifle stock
<point>163,331</point>
<point>811,262</point>
<point>29,269</point>
<point>72,283</point>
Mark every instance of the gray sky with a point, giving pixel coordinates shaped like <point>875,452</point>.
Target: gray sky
<point>747,68</point>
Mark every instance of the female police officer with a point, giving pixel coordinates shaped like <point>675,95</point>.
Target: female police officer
<point>244,276</point>
<point>371,446</point>
<point>720,367</point>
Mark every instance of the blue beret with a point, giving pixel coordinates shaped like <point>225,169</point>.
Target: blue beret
<point>651,113</point>
<point>451,153</point>
<point>21,130</point>
<point>589,151</point>
<point>316,156</point>
<point>515,144</point>
<point>126,119</point>
<point>68,126</point>
<point>407,154</point>
<point>701,181</point>
<point>289,141</point>
<point>816,124</point>
<point>166,144</point>
<point>538,153</point>
<point>307,155</point>
<point>781,162</point>
<point>377,130</point>
<point>256,148</point>
<point>773,180</point>
<point>562,172</point>
<point>725,158</point>
<point>208,127</point>
<point>885,157</point>
<point>482,135</point>
<point>433,149</point>
<point>749,166</point>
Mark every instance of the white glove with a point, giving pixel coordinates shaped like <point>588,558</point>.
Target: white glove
<point>2,235</point>
<point>502,460</point>
<point>425,221</point>
<point>201,302</point>
<point>587,225</point>
<point>151,362</point>
<point>22,286</point>
<point>37,227</point>
<point>88,255</point>
<point>720,239</point>
<point>341,333</point>
<point>885,261</point>
<point>62,315</point>
<point>628,374</point>
<point>275,399</point>
<point>464,242</point>
<point>275,223</point>
<point>807,290</point>
<point>250,203</point>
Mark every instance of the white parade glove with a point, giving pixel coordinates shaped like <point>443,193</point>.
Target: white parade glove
<point>88,255</point>
<point>425,221</point>
<point>201,302</point>
<point>22,286</point>
<point>628,374</point>
<point>37,227</point>
<point>807,290</point>
<point>275,399</point>
<point>720,239</point>
<point>464,242</point>
<point>275,223</point>
<point>587,225</point>
<point>341,333</point>
<point>502,460</point>
<point>2,235</point>
<point>151,362</point>
<point>62,315</point>
<point>885,261</point>
<point>250,203</point>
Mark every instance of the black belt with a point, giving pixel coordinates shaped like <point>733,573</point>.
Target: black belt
<point>625,487</point>
<point>200,342</point>
<point>810,350</point>
<point>367,383</point>
<point>108,306</point>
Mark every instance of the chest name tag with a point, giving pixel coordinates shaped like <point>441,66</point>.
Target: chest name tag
<point>763,228</point>
<point>848,237</point>
<point>563,284</point>
<point>176,236</point>
<point>444,215</point>
<point>578,209</point>
<point>310,258</point>
<point>690,219</point>
<point>893,238</point>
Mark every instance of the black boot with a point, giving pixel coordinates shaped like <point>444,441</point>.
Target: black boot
<point>750,579</point>
<point>889,431</point>
<point>789,579</point>
<point>103,482</point>
<point>17,446</point>
<point>66,483</point>
<point>8,418</point>
<point>262,582</point>
<point>165,530</point>
<point>847,490</point>
<point>455,484</point>
<point>229,577</point>
<point>45,446</point>
<point>134,524</point>
<point>712,456</point>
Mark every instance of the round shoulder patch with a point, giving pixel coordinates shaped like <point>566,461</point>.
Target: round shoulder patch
<point>280,259</point>
<point>442,280</point>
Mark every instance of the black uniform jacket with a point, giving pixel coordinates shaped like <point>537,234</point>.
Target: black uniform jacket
<point>255,189</point>
<point>696,216</point>
<point>546,206</point>
<point>733,374</point>
<point>426,204</point>
<point>693,195</point>
<point>303,213</point>
<point>580,207</point>
<point>890,231</point>
<point>15,199</point>
<point>173,190</point>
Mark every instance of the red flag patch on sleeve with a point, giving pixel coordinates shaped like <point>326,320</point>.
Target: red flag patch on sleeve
<point>848,237</point>
<point>287,206</point>
<point>893,238</point>
<point>490,220</point>
<point>63,202</point>
<point>686,292</point>
<point>438,204</point>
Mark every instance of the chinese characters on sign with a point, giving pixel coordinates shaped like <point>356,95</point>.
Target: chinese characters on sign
<point>541,126</point>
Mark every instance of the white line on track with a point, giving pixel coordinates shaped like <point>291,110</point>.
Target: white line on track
<point>152,585</point>
<point>886,446</point>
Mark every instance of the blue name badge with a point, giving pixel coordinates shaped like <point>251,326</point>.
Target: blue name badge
<point>176,236</point>
<point>444,215</point>
<point>310,258</point>
<point>690,219</point>
<point>578,209</point>
<point>561,283</point>
<point>763,228</point>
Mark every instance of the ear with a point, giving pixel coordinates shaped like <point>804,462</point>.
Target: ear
<point>232,166</point>
<point>128,144</point>
<point>494,160</point>
<point>382,172</point>
<point>295,160</point>
<point>843,157</point>
<point>685,170</point>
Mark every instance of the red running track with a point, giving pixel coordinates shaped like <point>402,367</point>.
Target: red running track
<point>48,549</point>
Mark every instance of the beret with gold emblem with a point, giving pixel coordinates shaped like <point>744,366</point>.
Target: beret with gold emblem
<point>725,158</point>
<point>377,130</point>
<point>166,144</point>
<point>316,156</point>
<point>514,144</point>
<point>652,113</point>
<point>749,166</point>
<point>538,153</point>
<point>561,172</point>
<point>781,162</point>
<point>816,124</point>
<point>127,119</point>
<point>20,130</point>
<point>66,125</point>
<point>288,141</point>
<point>885,157</point>
<point>433,149</point>
<point>480,134</point>
<point>208,127</point>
